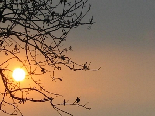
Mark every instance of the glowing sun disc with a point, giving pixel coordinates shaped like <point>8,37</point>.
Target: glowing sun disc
<point>18,74</point>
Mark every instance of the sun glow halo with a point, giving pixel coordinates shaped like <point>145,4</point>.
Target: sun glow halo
<point>18,74</point>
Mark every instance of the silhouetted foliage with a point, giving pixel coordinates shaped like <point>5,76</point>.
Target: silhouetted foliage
<point>32,33</point>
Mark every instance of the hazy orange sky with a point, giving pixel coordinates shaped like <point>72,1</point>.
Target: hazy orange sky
<point>122,43</point>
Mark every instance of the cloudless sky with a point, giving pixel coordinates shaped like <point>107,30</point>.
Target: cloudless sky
<point>122,43</point>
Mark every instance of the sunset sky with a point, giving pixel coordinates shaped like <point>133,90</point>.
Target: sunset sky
<point>122,43</point>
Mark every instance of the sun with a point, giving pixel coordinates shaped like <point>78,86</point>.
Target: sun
<point>18,74</point>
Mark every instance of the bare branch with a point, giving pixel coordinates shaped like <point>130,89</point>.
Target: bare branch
<point>32,33</point>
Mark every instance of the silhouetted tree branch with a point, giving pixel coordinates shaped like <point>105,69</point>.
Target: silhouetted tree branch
<point>31,33</point>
